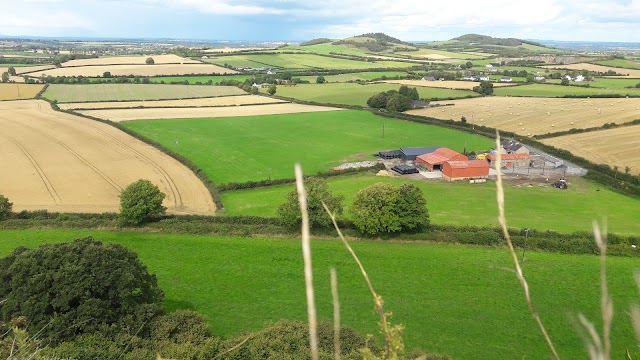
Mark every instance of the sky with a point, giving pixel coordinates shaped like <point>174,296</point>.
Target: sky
<point>293,20</point>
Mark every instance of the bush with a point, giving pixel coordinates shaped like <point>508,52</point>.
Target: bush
<point>140,202</point>
<point>5,207</point>
<point>149,61</point>
<point>85,286</point>
<point>317,192</point>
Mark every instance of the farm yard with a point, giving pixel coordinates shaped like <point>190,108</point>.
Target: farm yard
<point>538,204</point>
<point>19,91</point>
<point>219,101</point>
<point>131,60</point>
<point>261,147</point>
<point>536,116</point>
<point>612,146</point>
<point>140,70</point>
<point>64,163</point>
<point>460,85</point>
<point>130,92</point>
<point>119,115</point>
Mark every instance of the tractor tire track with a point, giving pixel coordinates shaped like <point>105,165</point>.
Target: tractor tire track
<point>45,180</point>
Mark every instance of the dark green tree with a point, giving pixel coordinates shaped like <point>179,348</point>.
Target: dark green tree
<point>398,103</point>
<point>320,80</point>
<point>469,65</point>
<point>378,101</point>
<point>67,289</point>
<point>140,202</point>
<point>317,192</point>
<point>5,207</point>
<point>5,77</point>
<point>564,81</point>
<point>411,207</point>
<point>272,89</point>
<point>149,61</point>
<point>413,94</point>
<point>12,71</point>
<point>485,88</point>
<point>106,74</point>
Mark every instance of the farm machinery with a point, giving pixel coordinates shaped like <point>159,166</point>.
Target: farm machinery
<point>561,184</point>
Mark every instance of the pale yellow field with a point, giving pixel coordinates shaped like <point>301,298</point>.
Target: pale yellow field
<point>532,116</point>
<point>19,91</point>
<point>131,60</point>
<point>202,102</point>
<point>141,70</point>
<point>29,69</point>
<point>65,163</point>
<point>592,67</point>
<point>613,147</point>
<point>461,85</point>
<point>118,115</point>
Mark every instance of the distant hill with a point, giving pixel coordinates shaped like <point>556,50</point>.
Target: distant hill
<point>316,42</point>
<point>477,39</point>
<point>376,42</point>
<point>493,46</point>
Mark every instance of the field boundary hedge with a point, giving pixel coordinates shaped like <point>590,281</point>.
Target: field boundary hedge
<point>584,130</point>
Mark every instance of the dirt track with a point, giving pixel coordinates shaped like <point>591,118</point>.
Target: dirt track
<point>65,163</point>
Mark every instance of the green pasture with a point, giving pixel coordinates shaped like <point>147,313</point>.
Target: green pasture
<point>620,63</point>
<point>122,92</point>
<point>327,48</point>
<point>356,94</point>
<point>248,148</point>
<point>304,61</point>
<point>613,83</point>
<point>454,55</point>
<point>460,300</point>
<point>365,75</point>
<point>461,203</point>
<point>547,90</point>
<point>202,79</point>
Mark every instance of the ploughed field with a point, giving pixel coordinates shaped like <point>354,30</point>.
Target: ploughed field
<point>65,163</point>
<point>534,116</point>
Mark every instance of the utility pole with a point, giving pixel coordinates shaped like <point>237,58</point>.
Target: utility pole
<point>524,248</point>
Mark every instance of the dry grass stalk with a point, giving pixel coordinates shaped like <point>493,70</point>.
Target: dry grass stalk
<point>390,333</point>
<point>600,348</point>
<point>635,311</point>
<point>336,313</point>
<point>308,271</point>
<point>503,223</point>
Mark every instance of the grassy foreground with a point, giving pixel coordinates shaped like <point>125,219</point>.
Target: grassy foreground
<point>247,148</point>
<point>459,300</point>
<point>461,203</point>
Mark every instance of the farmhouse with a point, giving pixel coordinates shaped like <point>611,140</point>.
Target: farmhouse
<point>481,77</point>
<point>434,160</point>
<point>509,160</point>
<point>513,147</point>
<point>538,78</point>
<point>428,78</point>
<point>461,170</point>
<point>469,77</point>
<point>506,79</point>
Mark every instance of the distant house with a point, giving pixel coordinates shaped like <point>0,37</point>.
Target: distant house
<point>488,66</point>
<point>579,78</point>
<point>506,79</point>
<point>204,57</point>
<point>260,86</point>
<point>419,104</point>
<point>481,77</point>
<point>469,77</point>
<point>428,78</point>
<point>271,72</point>
<point>538,78</point>
<point>494,70</point>
<point>567,77</point>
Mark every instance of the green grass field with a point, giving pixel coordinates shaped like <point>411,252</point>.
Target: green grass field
<point>121,92</point>
<point>356,94</point>
<point>424,53</point>
<point>327,49</point>
<point>613,83</point>
<point>304,61</point>
<point>258,147</point>
<point>365,75</point>
<point>547,90</point>
<point>461,203</point>
<point>203,79</point>
<point>458,300</point>
<point>620,63</point>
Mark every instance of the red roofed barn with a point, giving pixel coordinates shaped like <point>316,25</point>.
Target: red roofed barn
<point>470,169</point>
<point>434,160</point>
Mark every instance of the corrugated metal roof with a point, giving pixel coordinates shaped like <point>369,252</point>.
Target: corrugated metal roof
<point>468,164</point>
<point>493,157</point>
<point>415,151</point>
<point>439,156</point>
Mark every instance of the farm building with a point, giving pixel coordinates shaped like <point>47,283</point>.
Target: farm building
<point>506,79</point>
<point>408,154</point>
<point>481,77</point>
<point>428,78</point>
<point>434,160</point>
<point>461,170</point>
<point>513,147</point>
<point>509,160</point>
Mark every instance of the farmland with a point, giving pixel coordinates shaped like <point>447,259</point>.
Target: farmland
<point>304,61</point>
<point>365,75</point>
<point>450,298</point>
<point>633,73</point>
<point>261,147</point>
<point>127,60</point>
<point>141,70</point>
<point>460,85</point>
<point>29,69</point>
<point>198,102</point>
<point>533,116</point>
<point>619,63</point>
<point>215,79</point>
<point>434,54</point>
<point>547,90</point>
<point>131,92</point>
<point>613,146</point>
<point>119,115</point>
<point>64,163</point>
<point>19,91</point>
<point>537,205</point>
<point>356,94</point>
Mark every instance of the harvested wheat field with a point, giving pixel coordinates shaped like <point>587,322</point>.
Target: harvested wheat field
<point>29,69</point>
<point>65,163</point>
<point>12,91</point>
<point>64,93</point>
<point>131,60</point>
<point>137,70</point>
<point>202,102</point>
<point>459,85</point>
<point>617,146</point>
<point>118,115</point>
<point>533,116</point>
<point>592,67</point>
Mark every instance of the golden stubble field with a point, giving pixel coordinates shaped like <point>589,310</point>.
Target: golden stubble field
<point>618,146</point>
<point>630,73</point>
<point>458,85</point>
<point>119,115</point>
<point>139,70</point>
<point>126,60</point>
<point>12,91</point>
<point>201,102</point>
<point>65,163</point>
<point>529,116</point>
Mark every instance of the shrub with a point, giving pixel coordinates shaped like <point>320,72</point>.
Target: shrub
<point>149,61</point>
<point>140,202</point>
<point>5,207</point>
<point>317,192</point>
<point>68,289</point>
